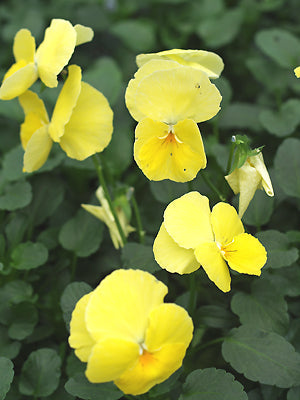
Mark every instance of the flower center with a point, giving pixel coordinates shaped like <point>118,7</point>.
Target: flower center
<point>221,248</point>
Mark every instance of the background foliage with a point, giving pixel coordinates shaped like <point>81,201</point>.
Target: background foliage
<point>247,342</point>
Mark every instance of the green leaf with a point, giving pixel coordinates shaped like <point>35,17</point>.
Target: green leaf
<point>13,164</point>
<point>40,373</point>
<point>280,45</point>
<point>81,234</point>
<point>215,317</point>
<point>80,387</point>
<point>8,348</point>
<point>262,356</point>
<point>293,393</point>
<point>212,384</point>
<point>72,293</point>
<point>29,255</point>
<point>264,308</point>
<point>24,318</point>
<point>7,375</point>
<point>138,35</point>
<point>16,195</point>
<point>241,116</point>
<point>139,256</point>
<point>166,191</point>
<point>259,210</point>
<point>287,166</point>
<point>280,252</point>
<point>283,122</point>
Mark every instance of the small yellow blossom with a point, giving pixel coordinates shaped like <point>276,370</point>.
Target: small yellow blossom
<point>126,333</point>
<point>297,72</point>
<point>247,179</point>
<point>192,236</point>
<point>104,214</point>
<point>207,61</point>
<point>168,100</point>
<point>81,122</point>
<point>47,61</point>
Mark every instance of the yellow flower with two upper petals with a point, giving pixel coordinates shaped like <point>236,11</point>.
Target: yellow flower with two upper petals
<point>192,236</point>
<point>81,122</point>
<point>168,100</point>
<point>47,61</point>
<point>126,333</point>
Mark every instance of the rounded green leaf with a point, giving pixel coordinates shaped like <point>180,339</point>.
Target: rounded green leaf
<point>212,384</point>
<point>8,348</point>
<point>241,116</point>
<point>16,195</point>
<point>166,191</point>
<point>259,210</point>
<point>29,255</point>
<point>262,356</point>
<point>24,317</point>
<point>139,256</point>
<point>7,374</point>
<point>13,163</point>
<point>293,393</point>
<point>40,373</point>
<point>138,35</point>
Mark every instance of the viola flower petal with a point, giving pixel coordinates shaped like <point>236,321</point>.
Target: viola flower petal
<point>37,150</point>
<point>111,357</point>
<point>209,256</point>
<point>90,127</point>
<point>84,34</point>
<point>170,256</point>
<point>207,61</point>
<point>24,46</point>
<point>187,220</point>
<point>258,163</point>
<point>80,339</point>
<point>31,103</point>
<point>17,80</point>
<point>226,223</point>
<point>55,51</point>
<point>245,254</point>
<point>297,72</point>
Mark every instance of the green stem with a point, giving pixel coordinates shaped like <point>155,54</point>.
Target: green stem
<point>193,295</point>
<point>102,181</point>
<point>137,214</point>
<point>232,148</point>
<point>207,344</point>
<point>213,187</point>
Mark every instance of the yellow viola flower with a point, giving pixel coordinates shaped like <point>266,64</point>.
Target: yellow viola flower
<point>126,333</point>
<point>47,61</point>
<point>168,100</point>
<point>104,214</point>
<point>81,122</point>
<point>206,61</point>
<point>247,179</point>
<point>297,72</point>
<point>192,236</point>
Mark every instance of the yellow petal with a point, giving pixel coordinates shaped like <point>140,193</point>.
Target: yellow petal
<point>147,69</point>
<point>55,51</point>
<point>226,223</point>
<point>151,369</point>
<point>170,256</point>
<point>207,61</point>
<point>24,46</point>
<point>209,256</point>
<point>84,34</point>
<point>79,338</point>
<point>258,163</point>
<point>37,150</point>
<point>30,125</point>
<point>120,305</point>
<point>65,103</point>
<point>187,220</point>
<point>31,103</point>
<point>90,127</point>
<point>177,94</point>
<point>245,254</point>
<point>161,154</point>
<point>297,72</point>
<point>110,358</point>
<point>17,80</point>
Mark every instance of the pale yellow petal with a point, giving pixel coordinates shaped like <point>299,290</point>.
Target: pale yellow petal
<point>79,338</point>
<point>55,51</point>
<point>17,80</point>
<point>37,150</point>
<point>84,34</point>
<point>297,72</point>
<point>226,223</point>
<point>209,256</point>
<point>245,254</point>
<point>24,46</point>
<point>90,127</point>
<point>109,358</point>
<point>65,103</point>
<point>161,154</point>
<point>177,94</point>
<point>152,369</point>
<point>30,125</point>
<point>250,181</point>
<point>31,103</point>
<point>207,61</point>
<point>170,256</point>
<point>233,180</point>
<point>147,69</point>
<point>120,305</point>
<point>187,220</point>
<point>258,163</point>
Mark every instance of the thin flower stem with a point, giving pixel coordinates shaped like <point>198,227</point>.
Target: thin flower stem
<point>207,344</point>
<point>213,187</point>
<point>232,148</point>
<point>102,182</point>
<point>137,214</point>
